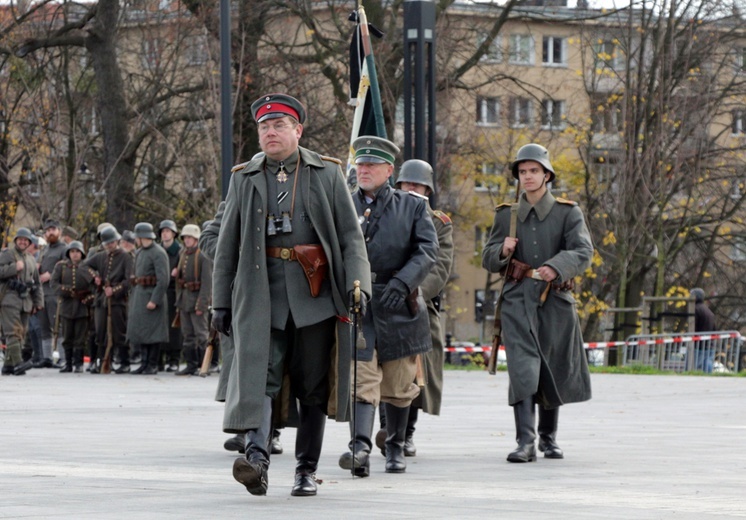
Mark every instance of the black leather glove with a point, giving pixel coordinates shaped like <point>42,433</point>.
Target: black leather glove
<point>394,294</point>
<point>363,301</point>
<point>221,320</point>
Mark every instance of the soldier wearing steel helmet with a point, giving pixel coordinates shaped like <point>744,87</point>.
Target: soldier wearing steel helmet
<point>171,349</point>
<point>148,313</point>
<point>113,268</point>
<point>416,175</point>
<point>540,326</point>
<point>193,299</point>
<point>73,284</point>
<point>20,296</point>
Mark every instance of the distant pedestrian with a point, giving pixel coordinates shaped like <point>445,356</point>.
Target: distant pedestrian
<point>704,321</point>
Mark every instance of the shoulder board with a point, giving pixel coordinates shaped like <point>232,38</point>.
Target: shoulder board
<point>239,166</point>
<point>503,205</point>
<point>442,216</point>
<point>331,159</point>
<point>415,194</point>
<point>566,201</point>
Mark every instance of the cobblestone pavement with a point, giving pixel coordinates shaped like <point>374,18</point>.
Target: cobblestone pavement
<point>150,447</point>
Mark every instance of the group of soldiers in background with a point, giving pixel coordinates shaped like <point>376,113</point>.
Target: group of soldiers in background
<point>127,300</point>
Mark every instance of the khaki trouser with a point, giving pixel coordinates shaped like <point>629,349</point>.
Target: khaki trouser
<point>13,323</point>
<point>390,381</point>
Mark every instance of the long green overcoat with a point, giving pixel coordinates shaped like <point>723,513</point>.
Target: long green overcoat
<point>149,326</point>
<point>240,280</point>
<point>543,342</point>
<point>431,395</point>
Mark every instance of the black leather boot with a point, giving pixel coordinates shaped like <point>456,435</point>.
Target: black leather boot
<point>236,443</point>
<point>275,446</point>
<point>410,450</point>
<point>548,420</point>
<point>251,470</point>
<point>396,432</point>
<point>525,433</point>
<point>381,434</point>
<point>360,444</point>
<point>154,352</point>
<point>144,351</point>
<point>77,360</point>
<point>308,442</point>
<point>68,361</point>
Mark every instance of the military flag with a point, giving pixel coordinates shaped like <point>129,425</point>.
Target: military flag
<point>365,94</point>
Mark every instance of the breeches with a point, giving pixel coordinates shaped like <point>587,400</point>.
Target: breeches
<point>390,381</point>
<point>13,323</point>
<point>118,327</point>
<point>305,354</point>
<point>74,332</point>
<point>194,330</point>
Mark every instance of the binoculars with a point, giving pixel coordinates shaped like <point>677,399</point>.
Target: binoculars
<point>279,225</point>
<point>17,285</point>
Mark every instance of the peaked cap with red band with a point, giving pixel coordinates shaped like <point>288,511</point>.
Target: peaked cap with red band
<point>276,105</point>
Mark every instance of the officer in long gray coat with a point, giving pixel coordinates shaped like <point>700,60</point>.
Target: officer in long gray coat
<point>540,327</point>
<point>148,312</point>
<point>288,252</point>
<point>402,247</point>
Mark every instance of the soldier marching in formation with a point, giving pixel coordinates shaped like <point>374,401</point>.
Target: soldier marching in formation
<point>168,359</point>
<point>402,247</point>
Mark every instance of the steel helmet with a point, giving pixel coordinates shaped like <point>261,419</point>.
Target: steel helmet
<point>190,230</point>
<point>24,232</point>
<point>101,227</point>
<point>145,230</point>
<point>75,244</point>
<point>109,235</point>
<point>533,152</point>
<point>166,224</point>
<point>416,171</point>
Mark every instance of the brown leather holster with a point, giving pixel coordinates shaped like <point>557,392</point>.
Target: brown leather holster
<point>145,281</point>
<point>313,260</point>
<point>516,270</point>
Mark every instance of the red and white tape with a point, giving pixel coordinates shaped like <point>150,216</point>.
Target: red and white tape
<point>607,344</point>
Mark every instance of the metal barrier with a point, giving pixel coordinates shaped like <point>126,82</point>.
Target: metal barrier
<point>717,351</point>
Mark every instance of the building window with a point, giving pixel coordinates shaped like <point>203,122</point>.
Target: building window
<point>521,49</point>
<point>487,178</point>
<point>606,117</point>
<point>494,52</point>
<point>605,54</point>
<point>738,127</point>
<point>488,111</point>
<point>521,111</point>
<point>741,60</point>
<point>554,51</point>
<point>197,51</point>
<point>606,169</point>
<point>150,53</point>
<point>552,114</point>
<point>738,249</point>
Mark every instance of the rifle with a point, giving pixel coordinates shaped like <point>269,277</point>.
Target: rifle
<point>358,340</point>
<point>207,359</point>
<point>56,330</point>
<point>106,363</point>
<point>497,326</point>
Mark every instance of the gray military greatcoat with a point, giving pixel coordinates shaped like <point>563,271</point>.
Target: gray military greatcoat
<point>149,326</point>
<point>543,343</point>
<point>240,279</point>
<point>431,395</point>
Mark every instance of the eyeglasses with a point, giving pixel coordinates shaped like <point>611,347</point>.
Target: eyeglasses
<point>280,127</point>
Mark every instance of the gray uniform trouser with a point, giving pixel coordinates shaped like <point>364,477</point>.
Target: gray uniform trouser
<point>194,331</point>
<point>13,323</point>
<point>46,319</point>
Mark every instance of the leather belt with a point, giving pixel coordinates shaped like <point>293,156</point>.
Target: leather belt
<point>283,253</point>
<point>383,277</point>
